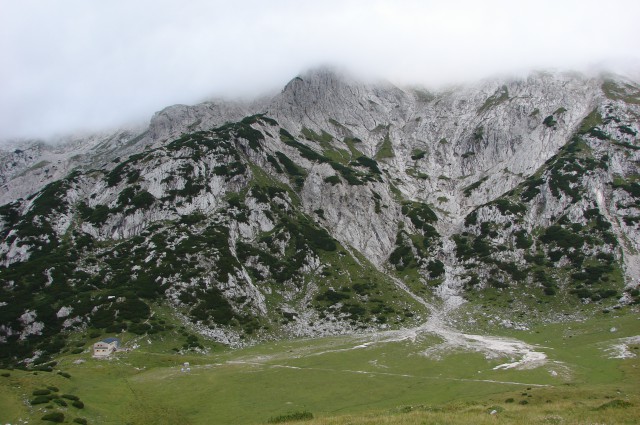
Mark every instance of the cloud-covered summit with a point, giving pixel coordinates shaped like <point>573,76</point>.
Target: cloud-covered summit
<point>77,65</point>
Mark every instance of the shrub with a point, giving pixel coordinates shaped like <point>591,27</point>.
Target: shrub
<point>41,392</point>
<point>41,399</point>
<point>143,200</point>
<point>436,269</point>
<point>82,421</point>
<point>6,374</point>
<point>295,416</point>
<point>615,404</point>
<point>78,404</point>
<point>60,402</point>
<point>57,417</point>
<point>549,121</point>
<point>64,375</point>
<point>70,397</point>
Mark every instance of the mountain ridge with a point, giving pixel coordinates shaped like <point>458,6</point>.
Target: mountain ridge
<point>334,206</point>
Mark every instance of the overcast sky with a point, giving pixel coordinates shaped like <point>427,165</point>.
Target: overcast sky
<point>70,65</point>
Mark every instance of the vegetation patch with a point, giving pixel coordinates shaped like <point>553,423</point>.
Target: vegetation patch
<point>501,95</point>
<point>291,417</point>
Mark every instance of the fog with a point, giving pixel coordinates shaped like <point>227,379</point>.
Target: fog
<point>83,65</point>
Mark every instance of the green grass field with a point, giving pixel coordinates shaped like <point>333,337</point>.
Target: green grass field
<point>373,379</point>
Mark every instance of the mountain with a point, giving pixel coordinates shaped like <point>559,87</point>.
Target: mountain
<point>333,207</point>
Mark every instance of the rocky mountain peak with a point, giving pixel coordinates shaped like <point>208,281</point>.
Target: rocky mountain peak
<point>333,206</point>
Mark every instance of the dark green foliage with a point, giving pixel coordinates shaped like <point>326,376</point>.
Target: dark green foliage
<point>41,399</point>
<point>369,163</point>
<point>467,190</point>
<point>562,237</point>
<point>290,417</point>
<point>591,121</point>
<point>632,188</point>
<point>41,392</point>
<point>116,175</point>
<point>530,188</point>
<point>245,131</point>
<point>523,240</point>
<point>463,248</point>
<point>421,215</point>
<point>70,397</point>
<point>305,151</point>
<point>313,136</point>
<point>77,404</point>
<point>51,198</point>
<point>478,133</point>
<point>402,257</point>
<point>501,95</point>
<point>333,180</point>
<point>81,421</point>
<point>567,168</point>
<point>99,215</point>
<point>143,200</point>
<point>60,402</point>
<point>626,145</point>
<point>213,305</point>
<point>316,237</point>
<point>471,218</point>
<point>193,218</point>
<point>126,195</point>
<point>627,130</point>
<point>418,154</point>
<point>352,176</point>
<point>615,404</point>
<point>436,269</point>
<point>507,207</point>
<point>274,163</point>
<point>549,121</point>
<point>57,417</point>
<point>332,297</point>
<point>290,167</point>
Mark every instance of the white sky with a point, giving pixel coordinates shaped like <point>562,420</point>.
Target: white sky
<point>70,65</point>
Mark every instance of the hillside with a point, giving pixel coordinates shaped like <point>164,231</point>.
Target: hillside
<point>334,207</point>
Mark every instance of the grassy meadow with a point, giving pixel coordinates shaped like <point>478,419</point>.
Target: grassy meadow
<point>386,378</point>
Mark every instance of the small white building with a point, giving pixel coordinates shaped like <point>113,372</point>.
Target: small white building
<point>106,347</point>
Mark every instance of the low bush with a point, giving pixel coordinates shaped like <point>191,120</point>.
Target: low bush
<point>289,417</point>
<point>82,421</point>
<point>70,397</point>
<point>41,392</point>
<point>615,404</point>
<point>77,404</point>
<point>60,402</point>
<point>41,399</point>
<point>57,417</point>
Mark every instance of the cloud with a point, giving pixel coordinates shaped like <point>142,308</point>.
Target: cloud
<point>87,64</point>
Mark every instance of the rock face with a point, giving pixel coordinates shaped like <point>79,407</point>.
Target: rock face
<point>331,207</point>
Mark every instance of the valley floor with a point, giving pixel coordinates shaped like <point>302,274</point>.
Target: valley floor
<point>573,373</point>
